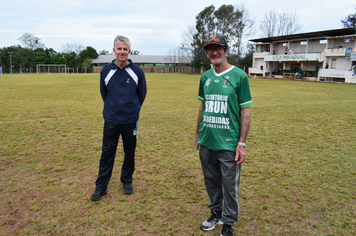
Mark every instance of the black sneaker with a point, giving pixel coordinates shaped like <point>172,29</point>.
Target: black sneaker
<point>128,189</point>
<point>227,231</point>
<point>215,219</point>
<point>96,196</point>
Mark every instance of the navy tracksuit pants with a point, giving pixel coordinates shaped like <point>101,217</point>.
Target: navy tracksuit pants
<point>111,136</point>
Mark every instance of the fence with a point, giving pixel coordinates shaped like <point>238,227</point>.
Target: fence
<point>178,70</point>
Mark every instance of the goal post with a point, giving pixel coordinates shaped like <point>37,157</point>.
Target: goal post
<point>51,68</point>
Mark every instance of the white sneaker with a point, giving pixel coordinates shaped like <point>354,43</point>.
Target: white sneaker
<point>210,223</point>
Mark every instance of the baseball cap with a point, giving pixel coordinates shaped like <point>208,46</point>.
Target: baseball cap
<point>218,39</point>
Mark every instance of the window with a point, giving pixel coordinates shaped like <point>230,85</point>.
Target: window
<point>304,43</point>
<point>323,41</point>
<point>349,40</point>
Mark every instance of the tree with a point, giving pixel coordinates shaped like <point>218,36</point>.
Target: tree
<point>135,52</point>
<point>269,24</point>
<point>103,52</point>
<point>70,59</point>
<point>288,23</point>
<point>50,55</point>
<point>85,57</point>
<point>41,57</point>
<point>243,26</point>
<point>223,16</point>
<point>58,58</point>
<point>31,41</point>
<point>9,59</point>
<point>171,56</point>
<point>89,52</point>
<point>274,24</point>
<point>24,59</point>
<point>2,60</point>
<point>233,22</point>
<point>205,26</point>
<point>350,21</point>
<point>246,61</point>
<point>176,56</point>
<point>72,47</point>
<point>187,41</point>
<point>87,64</point>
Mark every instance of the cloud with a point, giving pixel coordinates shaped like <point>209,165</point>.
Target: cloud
<point>154,27</point>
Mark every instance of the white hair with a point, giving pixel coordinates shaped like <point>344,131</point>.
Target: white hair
<point>122,39</point>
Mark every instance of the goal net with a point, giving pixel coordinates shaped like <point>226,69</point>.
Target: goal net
<point>51,68</point>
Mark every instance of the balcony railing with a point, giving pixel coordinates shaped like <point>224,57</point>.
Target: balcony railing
<point>335,52</point>
<point>255,71</point>
<point>334,73</point>
<point>261,54</point>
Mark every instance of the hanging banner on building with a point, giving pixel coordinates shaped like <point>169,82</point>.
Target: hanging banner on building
<point>294,57</point>
<point>348,52</point>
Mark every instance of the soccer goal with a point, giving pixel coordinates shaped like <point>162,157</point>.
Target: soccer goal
<point>67,70</point>
<point>51,68</point>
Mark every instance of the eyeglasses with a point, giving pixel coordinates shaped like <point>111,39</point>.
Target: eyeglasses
<point>218,50</point>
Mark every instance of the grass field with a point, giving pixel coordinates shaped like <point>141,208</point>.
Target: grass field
<point>299,177</point>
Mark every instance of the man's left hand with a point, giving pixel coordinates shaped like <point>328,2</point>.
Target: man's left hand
<point>240,154</point>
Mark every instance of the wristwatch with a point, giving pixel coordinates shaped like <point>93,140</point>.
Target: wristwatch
<point>241,144</point>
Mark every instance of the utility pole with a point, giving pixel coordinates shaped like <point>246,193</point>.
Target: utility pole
<point>10,62</point>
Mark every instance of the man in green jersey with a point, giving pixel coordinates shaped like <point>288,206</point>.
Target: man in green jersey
<point>222,128</point>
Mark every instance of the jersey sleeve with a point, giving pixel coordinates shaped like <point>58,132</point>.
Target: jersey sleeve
<point>201,90</point>
<point>142,86</point>
<point>245,99</point>
<point>103,90</point>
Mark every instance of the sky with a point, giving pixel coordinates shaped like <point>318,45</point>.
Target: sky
<point>153,27</point>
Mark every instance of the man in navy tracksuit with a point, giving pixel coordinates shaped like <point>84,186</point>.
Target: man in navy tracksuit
<point>123,89</point>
